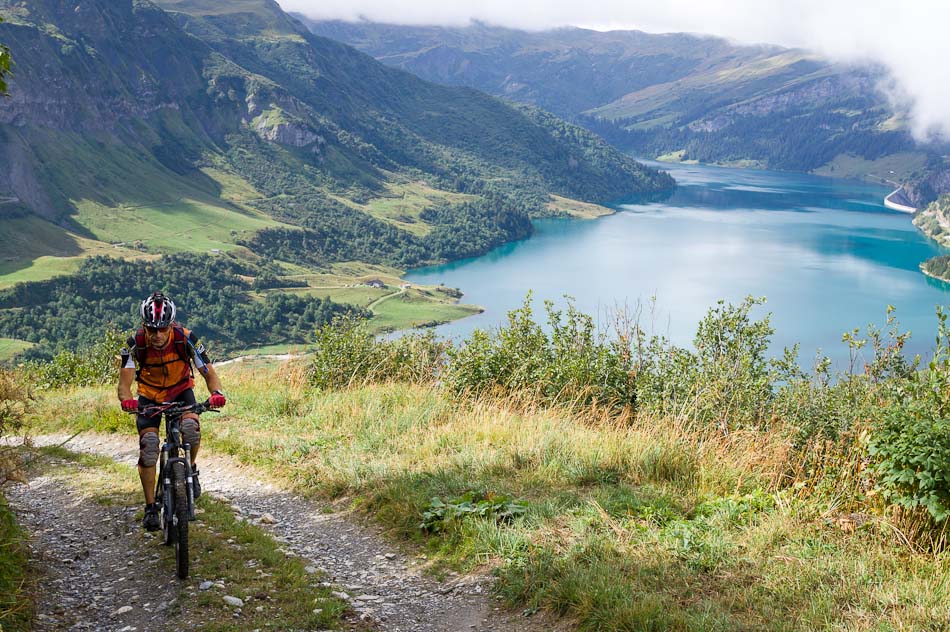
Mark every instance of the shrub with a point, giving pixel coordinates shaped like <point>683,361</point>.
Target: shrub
<point>88,367</point>
<point>727,380</point>
<point>911,460</point>
<point>14,401</point>
<point>572,364</point>
<point>440,516</point>
<point>346,354</point>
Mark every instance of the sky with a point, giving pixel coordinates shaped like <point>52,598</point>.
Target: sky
<point>908,37</point>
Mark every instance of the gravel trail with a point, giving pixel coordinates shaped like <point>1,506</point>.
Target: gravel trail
<point>87,555</point>
<point>385,587</point>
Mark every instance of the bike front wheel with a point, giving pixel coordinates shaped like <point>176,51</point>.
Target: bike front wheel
<point>179,519</point>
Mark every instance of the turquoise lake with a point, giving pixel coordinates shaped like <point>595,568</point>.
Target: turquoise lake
<point>826,254</point>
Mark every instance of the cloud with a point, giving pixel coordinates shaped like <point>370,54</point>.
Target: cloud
<point>908,38</point>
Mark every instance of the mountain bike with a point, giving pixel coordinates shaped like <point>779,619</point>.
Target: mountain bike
<point>174,485</point>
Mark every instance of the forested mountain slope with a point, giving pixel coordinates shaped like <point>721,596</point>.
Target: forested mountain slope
<point>138,129</point>
<point>687,96</point>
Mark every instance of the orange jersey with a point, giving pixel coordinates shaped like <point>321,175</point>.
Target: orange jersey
<point>164,374</point>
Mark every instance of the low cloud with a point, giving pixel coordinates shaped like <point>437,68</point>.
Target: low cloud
<point>907,38</point>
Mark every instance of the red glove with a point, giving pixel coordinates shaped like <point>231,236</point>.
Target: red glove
<point>217,399</point>
<point>130,405</point>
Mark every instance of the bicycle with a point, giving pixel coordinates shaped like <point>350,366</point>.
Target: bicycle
<point>174,485</point>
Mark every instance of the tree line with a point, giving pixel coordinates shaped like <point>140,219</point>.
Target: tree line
<point>210,293</point>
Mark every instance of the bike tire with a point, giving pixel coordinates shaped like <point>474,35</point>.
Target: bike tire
<point>180,520</point>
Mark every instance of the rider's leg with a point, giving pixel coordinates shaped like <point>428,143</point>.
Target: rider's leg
<point>148,457</point>
<point>191,433</point>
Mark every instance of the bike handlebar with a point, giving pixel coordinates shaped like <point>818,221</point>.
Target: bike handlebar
<point>175,408</point>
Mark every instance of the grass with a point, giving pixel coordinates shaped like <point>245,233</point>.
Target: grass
<point>187,225</point>
<point>36,250</point>
<point>576,208</point>
<point>160,210</point>
<point>403,202</point>
<point>15,604</point>
<point>896,167</point>
<point>9,347</point>
<point>631,525</point>
<point>417,308</point>
<point>249,560</point>
<point>361,295</point>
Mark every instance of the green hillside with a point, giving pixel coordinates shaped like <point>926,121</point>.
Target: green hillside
<point>138,130</point>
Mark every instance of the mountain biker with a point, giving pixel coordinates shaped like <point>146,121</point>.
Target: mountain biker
<point>159,357</point>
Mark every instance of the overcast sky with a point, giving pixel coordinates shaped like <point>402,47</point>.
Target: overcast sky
<point>910,37</point>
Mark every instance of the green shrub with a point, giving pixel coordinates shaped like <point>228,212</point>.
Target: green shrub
<point>88,367</point>
<point>346,354</point>
<point>14,400</point>
<point>727,380</point>
<point>439,515</point>
<point>911,460</point>
<point>572,364</point>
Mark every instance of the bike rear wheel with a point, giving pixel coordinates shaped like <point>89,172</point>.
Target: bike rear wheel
<point>179,519</point>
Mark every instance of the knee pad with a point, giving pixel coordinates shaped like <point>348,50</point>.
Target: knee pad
<point>191,431</point>
<point>148,449</point>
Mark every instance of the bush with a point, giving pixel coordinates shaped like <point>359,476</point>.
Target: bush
<point>727,380</point>
<point>442,515</point>
<point>911,452</point>
<point>14,401</point>
<point>346,354</point>
<point>92,366</point>
<point>572,364</point>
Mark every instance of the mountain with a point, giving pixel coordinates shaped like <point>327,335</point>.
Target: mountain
<point>678,96</point>
<point>138,129</point>
<point>158,95</point>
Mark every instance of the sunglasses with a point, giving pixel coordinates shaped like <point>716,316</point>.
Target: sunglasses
<point>156,330</point>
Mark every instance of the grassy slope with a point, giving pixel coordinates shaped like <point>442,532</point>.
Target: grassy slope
<point>417,307</point>
<point>896,167</point>
<point>404,201</point>
<point>575,208</point>
<point>34,250</point>
<point>9,347</point>
<point>629,527</point>
<point>15,606</point>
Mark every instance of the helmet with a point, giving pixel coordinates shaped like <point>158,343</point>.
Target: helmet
<point>157,311</point>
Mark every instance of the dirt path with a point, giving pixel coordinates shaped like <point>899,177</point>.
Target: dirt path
<point>386,588</point>
<point>99,570</point>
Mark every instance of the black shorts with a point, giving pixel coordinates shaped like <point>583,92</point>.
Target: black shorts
<point>142,422</point>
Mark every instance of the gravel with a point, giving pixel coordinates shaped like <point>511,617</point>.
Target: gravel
<point>387,589</point>
<point>98,569</point>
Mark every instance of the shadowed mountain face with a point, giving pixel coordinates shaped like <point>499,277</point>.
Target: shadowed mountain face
<point>658,94</point>
<point>118,100</point>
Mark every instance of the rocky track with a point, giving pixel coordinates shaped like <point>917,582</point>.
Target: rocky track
<point>98,569</point>
<point>387,588</point>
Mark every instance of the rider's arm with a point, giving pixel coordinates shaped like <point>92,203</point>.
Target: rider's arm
<point>126,372</point>
<point>126,376</point>
<point>203,363</point>
<point>212,379</point>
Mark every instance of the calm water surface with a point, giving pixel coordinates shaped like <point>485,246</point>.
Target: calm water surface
<point>826,253</point>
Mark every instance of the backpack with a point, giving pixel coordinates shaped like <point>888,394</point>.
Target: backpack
<point>140,347</point>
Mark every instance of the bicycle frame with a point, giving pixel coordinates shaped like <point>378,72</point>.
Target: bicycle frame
<point>171,453</point>
<point>174,485</point>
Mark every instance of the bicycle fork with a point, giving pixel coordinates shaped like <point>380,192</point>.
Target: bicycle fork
<point>189,482</point>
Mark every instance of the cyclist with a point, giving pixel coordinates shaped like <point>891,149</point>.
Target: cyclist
<point>159,357</point>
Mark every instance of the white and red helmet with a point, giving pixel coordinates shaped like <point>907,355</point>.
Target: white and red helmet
<point>157,311</point>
